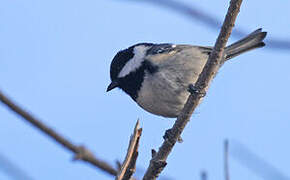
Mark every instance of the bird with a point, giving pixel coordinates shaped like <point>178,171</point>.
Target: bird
<point>157,76</point>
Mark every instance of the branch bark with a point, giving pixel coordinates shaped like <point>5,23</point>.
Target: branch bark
<point>129,165</point>
<point>158,162</point>
<point>81,153</point>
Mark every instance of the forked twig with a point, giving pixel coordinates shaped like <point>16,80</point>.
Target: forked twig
<point>129,165</point>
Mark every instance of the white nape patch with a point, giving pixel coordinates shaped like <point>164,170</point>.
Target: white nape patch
<point>134,63</point>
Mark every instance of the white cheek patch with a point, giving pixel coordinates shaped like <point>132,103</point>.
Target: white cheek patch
<point>134,63</point>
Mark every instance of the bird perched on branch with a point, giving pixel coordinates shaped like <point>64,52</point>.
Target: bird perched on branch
<point>157,76</point>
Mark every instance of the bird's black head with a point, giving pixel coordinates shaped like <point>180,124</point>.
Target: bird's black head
<point>128,69</point>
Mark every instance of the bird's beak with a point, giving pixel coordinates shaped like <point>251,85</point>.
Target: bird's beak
<point>113,85</point>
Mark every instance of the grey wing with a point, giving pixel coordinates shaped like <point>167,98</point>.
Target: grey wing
<point>168,48</point>
<point>200,49</point>
<point>161,48</point>
<point>184,63</point>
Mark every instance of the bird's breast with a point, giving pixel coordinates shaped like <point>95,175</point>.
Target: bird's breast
<point>162,96</point>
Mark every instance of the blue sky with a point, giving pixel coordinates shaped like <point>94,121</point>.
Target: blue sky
<point>55,58</point>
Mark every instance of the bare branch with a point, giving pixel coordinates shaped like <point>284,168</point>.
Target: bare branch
<point>129,165</point>
<point>158,162</point>
<point>211,21</point>
<point>81,153</point>
<point>226,160</point>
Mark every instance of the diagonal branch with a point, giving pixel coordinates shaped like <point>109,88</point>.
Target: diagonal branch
<point>129,165</point>
<point>158,162</point>
<point>81,153</point>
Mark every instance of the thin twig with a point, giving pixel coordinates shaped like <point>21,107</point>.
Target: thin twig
<point>226,160</point>
<point>158,162</point>
<point>81,153</point>
<point>211,21</point>
<point>129,165</point>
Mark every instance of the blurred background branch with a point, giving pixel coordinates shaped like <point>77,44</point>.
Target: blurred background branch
<point>226,160</point>
<point>12,170</point>
<point>255,163</point>
<point>81,153</point>
<point>209,20</point>
<point>203,175</point>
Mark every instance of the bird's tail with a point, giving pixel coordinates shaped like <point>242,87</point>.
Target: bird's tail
<point>252,41</point>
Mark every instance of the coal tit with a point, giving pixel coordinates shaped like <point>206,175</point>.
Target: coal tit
<point>157,76</point>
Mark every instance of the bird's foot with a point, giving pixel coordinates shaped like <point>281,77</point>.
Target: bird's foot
<point>195,91</point>
<point>180,140</point>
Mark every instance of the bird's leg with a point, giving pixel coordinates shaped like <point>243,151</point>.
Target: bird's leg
<point>195,90</point>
